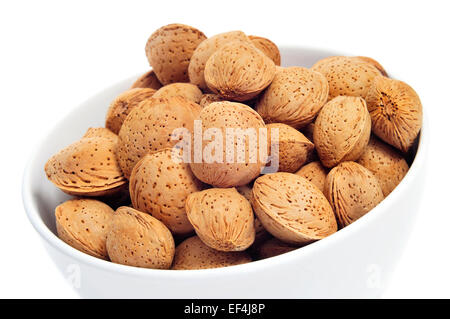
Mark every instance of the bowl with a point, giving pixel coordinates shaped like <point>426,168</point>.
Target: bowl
<point>357,261</point>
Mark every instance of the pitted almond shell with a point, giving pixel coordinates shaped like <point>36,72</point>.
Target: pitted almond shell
<point>385,162</point>
<point>159,185</point>
<point>315,173</point>
<point>238,71</point>
<point>294,97</point>
<point>87,167</point>
<point>147,80</point>
<point>293,147</point>
<point>347,75</point>
<point>84,224</point>
<point>217,171</point>
<point>204,51</point>
<point>187,90</point>
<point>292,209</point>
<point>100,132</point>
<point>194,254</point>
<point>122,106</point>
<point>372,61</point>
<point>342,130</point>
<point>396,112</point>
<point>169,50</point>
<point>222,218</point>
<point>352,191</point>
<point>273,247</point>
<point>140,240</point>
<point>209,98</point>
<point>267,47</point>
<point>149,127</point>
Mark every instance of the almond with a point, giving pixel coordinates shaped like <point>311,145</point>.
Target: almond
<point>267,47</point>
<point>149,127</point>
<point>293,147</point>
<point>194,254</point>
<point>238,71</point>
<point>347,75</point>
<point>222,218</point>
<point>204,51</point>
<point>352,191</point>
<point>87,167</point>
<point>396,112</point>
<point>122,106</point>
<point>374,62</point>
<point>273,247</point>
<point>388,166</point>
<point>292,209</point>
<point>140,240</point>
<point>315,173</point>
<point>294,97</point>
<point>147,80</point>
<point>221,170</point>
<point>207,99</point>
<point>83,224</point>
<point>159,185</point>
<point>342,130</point>
<point>187,90</point>
<point>169,50</point>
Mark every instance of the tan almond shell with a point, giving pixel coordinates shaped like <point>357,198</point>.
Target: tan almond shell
<point>238,71</point>
<point>222,218</point>
<point>315,173</point>
<point>342,130</point>
<point>147,80</point>
<point>346,75</point>
<point>84,224</point>
<point>292,209</point>
<point>293,147</point>
<point>187,90</point>
<point>352,191</point>
<point>100,132</point>
<point>204,51</point>
<point>87,167</point>
<point>192,253</point>
<point>267,47</point>
<point>159,185</point>
<point>169,50</point>
<point>396,112</point>
<point>149,127</point>
<point>140,240</point>
<point>372,61</point>
<point>209,98</point>
<point>385,162</point>
<point>122,106</point>
<point>273,247</point>
<point>294,97</point>
<point>222,115</point>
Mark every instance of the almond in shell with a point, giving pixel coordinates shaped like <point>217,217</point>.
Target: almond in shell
<point>273,247</point>
<point>372,61</point>
<point>315,173</point>
<point>209,98</point>
<point>267,47</point>
<point>187,90</point>
<point>147,80</point>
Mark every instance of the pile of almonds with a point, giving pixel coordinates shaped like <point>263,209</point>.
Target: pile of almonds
<point>344,131</point>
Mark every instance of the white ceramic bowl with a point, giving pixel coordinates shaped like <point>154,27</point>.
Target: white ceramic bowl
<point>357,261</point>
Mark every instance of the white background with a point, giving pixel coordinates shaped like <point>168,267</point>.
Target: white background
<point>55,54</point>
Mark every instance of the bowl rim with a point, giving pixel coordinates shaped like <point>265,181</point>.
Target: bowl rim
<point>51,239</point>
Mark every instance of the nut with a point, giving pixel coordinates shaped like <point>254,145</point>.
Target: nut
<point>267,47</point>
<point>273,247</point>
<point>147,80</point>
<point>169,50</point>
<point>194,254</point>
<point>292,209</point>
<point>315,173</point>
<point>293,147</point>
<point>83,224</point>
<point>347,75</point>
<point>159,185</point>
<point>187,90</point>
<point>204,51</point>
<point>396,112</point>
<point>342,130</point>
<point>294,98</point>
<point>241,169</point>
<point>207,99</point>
<point>388,166</point>
<point>238,71</point>
<point>222,218</point>
<point>352,191</point>
<point>122,106</point>
<point>140,240</point>
<point>374,62</point>
<point>149,128</point>
<point>87,167</point>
